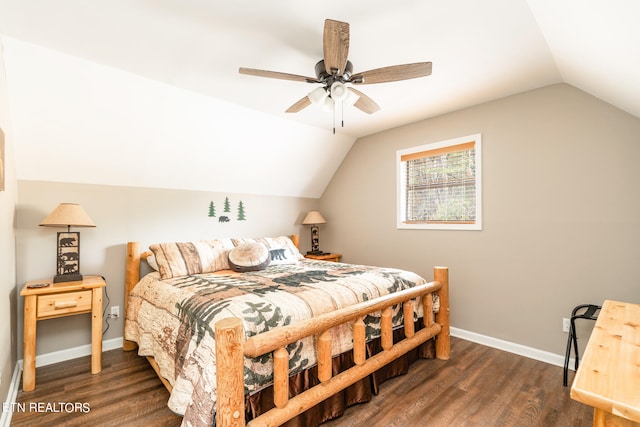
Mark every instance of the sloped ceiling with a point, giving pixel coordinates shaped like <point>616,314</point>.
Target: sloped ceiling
<point>140,92</point>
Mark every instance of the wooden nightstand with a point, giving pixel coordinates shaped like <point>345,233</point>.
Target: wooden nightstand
<point>325,257</point>
<point>58,300</point>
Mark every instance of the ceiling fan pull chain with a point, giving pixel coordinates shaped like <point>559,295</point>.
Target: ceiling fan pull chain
<point>334,118</point>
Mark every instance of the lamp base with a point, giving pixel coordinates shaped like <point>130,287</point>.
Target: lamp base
<point>67,278</point>
<point>68,257</point>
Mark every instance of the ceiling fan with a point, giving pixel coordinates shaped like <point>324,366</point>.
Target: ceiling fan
<point>334,72</point>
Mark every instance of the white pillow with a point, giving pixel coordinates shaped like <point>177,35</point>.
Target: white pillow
<point>281,256</point>
<point>153,263</point>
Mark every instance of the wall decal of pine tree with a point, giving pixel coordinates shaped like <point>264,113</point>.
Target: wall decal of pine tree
<point>212,210</point>
<point>241,213</point>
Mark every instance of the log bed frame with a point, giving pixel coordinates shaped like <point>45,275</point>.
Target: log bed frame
<point>231,347</point>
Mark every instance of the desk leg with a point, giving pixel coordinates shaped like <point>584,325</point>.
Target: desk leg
<point>96,331</point>
<point>29,342</point>
<point>599,417</point>
<point>602,418</point>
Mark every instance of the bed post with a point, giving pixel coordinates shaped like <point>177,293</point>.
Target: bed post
<point>295,238</point>
<point>230,372</point>
<point>443,345</point>
<point>132,275</point>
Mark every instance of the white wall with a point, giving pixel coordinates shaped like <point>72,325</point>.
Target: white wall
<point>8,300</point>
<point>132,214</point>
<point>561,212</point>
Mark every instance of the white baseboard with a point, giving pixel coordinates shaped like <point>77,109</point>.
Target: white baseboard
<point>519,349</point>
<point>74,353</point>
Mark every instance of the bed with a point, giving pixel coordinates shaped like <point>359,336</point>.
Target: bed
<point>269,343</point>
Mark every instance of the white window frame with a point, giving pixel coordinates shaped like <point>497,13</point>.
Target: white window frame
<point>401,190</point>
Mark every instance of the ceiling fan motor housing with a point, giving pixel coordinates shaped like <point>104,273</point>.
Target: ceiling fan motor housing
<point>328,79</point>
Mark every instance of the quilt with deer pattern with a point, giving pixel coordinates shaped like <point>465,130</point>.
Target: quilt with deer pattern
<point>173,320</point>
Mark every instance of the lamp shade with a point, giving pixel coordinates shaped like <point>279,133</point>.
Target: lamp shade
<point>68,215</point>
<point>314,217</point>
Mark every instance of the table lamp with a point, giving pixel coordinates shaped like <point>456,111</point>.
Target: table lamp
<point>68,244</point>
<point>314,218</point>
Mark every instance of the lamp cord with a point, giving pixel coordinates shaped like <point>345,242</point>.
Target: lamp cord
<point>104,311</point>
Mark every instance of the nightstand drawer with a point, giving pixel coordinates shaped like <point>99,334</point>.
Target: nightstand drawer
<point>62,304</point>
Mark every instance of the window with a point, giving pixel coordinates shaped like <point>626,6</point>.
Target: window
<point>439,185</point>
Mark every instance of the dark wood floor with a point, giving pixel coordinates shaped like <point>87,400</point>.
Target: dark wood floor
<point>126,393</point>
<point>479,386</point>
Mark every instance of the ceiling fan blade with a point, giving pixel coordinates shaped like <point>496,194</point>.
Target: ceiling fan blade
<point>392,73</point>
<point>365,103</point>
<point>335,42</point>
<point>303,103</point>
<point>277,75</point>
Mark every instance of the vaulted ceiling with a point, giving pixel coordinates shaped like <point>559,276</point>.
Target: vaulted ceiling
<point>123,91</point>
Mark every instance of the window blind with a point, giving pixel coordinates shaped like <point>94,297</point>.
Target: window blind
<point>440,185</point>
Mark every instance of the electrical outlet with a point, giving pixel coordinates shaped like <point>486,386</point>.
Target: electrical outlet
<point>566,324</point>
<point>115,312</point>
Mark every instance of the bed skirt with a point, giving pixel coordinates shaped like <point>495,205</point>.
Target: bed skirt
<point>360,392</point>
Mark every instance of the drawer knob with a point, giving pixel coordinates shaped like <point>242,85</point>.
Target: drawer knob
<point>65,304</point>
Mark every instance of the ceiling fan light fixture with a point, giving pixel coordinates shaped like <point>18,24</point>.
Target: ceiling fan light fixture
<point>339,91</point>
<point>334,72</point>
<point>328,105</point>
<point>318,95</point>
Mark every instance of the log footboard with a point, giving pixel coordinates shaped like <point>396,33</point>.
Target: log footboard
<point>231,348</point>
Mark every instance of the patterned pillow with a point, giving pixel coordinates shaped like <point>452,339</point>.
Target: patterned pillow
<point>181,259</point>
<point>249,257</point>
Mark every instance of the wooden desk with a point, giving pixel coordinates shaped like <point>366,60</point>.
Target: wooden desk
<point>58,300</point>
<point>609,374</point>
